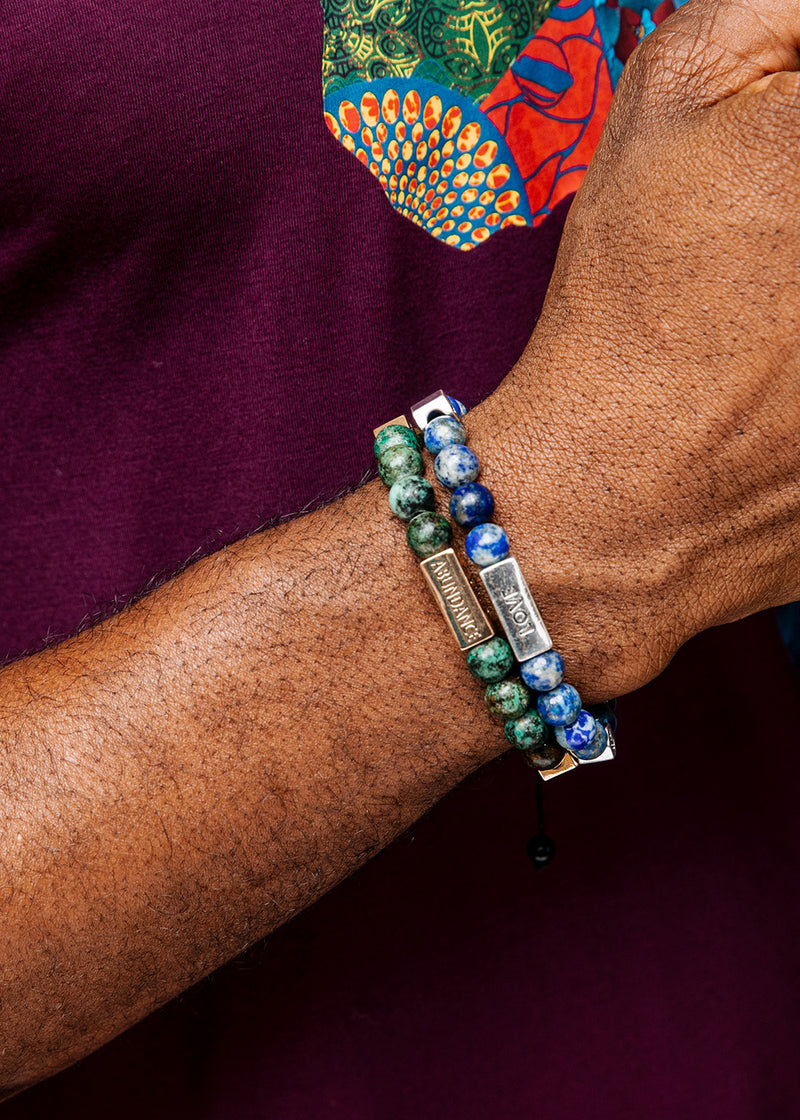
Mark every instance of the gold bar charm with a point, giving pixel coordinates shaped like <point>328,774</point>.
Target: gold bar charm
<point>456,599</point>
<point>567,763</point>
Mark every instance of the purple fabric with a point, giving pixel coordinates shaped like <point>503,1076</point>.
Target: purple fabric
<point>204,304</point>
<point>205,301</point>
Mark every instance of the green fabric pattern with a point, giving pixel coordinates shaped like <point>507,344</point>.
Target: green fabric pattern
<point>466,45</point>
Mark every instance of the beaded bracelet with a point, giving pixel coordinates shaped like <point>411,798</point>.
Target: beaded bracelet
<point>554,733</point>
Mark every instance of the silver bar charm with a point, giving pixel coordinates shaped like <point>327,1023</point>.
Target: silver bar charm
<point>456,599</point>
<point>527,634</point>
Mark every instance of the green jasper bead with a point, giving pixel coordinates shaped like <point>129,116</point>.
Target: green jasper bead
<point>508,699</point>
<point>528,733</point>
<point>410,496</point>
<point>491,661</point>
<point>428,533</point>
<point>546,757</point>
<point>397,461</point>
<point>394,435</point>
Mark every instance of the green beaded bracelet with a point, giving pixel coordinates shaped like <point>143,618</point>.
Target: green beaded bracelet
<point>550,732</point>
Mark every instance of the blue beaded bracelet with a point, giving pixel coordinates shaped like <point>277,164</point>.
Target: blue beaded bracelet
<point>523,674</point>
<point>584,735</point>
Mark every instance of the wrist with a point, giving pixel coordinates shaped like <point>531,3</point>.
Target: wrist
<point>608,587</point>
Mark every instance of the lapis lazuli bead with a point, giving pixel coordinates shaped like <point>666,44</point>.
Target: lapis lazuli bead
<point>578,735</point>
<point>471,505</point>
<point>604,713</point>
<point>595,747</point>
<point>443,431</point>
<point>457,407</point>
<point>560,705</point>
<point>486,544</point>
<point>543,672</point>
<point>455,465</point>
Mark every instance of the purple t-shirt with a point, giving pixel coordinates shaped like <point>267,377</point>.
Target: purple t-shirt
<point>206,306</point>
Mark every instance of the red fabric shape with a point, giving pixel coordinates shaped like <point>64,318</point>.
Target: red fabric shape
<point>552,134</point>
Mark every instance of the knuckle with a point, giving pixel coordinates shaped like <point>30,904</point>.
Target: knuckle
<point>668,68</point>
<point>761,127</point>
<point>646,82</point>
<point>663,58</point>
<point>780,97</point>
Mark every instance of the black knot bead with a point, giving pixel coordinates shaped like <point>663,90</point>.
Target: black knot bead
<point>541,850</point>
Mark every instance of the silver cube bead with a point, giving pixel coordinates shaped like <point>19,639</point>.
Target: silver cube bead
<point>436,404</point>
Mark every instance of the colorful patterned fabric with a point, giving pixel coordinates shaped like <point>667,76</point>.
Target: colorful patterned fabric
<point>475,115</point>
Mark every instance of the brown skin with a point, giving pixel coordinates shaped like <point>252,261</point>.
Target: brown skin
<point>661,389</point>
<point>178,781</point>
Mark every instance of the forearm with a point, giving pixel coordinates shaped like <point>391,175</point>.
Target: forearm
<point>177,781</point>
<point>181,779</point>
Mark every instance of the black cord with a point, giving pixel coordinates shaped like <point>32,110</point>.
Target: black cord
<point>540,849</point>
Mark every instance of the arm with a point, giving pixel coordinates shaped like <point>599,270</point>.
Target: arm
<point>179,780</point>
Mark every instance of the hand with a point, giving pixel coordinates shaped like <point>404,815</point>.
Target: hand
<point>650,467</point>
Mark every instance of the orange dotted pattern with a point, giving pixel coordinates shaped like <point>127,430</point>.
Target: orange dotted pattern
<point>441,166</point>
